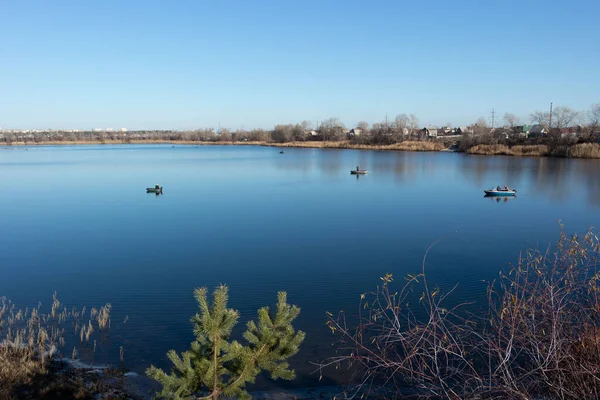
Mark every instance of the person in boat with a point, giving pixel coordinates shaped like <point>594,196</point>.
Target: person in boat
<point>498,188</point>
<point>506,188</point>
<point>156,186</point>
<point>357,168</point>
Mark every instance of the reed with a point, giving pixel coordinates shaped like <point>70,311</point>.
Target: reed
<point>502,149</point>
<point>30,340</point>
<point>400,146</point>
<point>585,150</point>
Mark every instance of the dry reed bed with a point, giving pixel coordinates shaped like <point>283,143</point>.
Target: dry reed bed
<point>502,149</point>
<point>580,150</point>
<point>585,150</point>
<point>537,337</point>
<point>401,146</point>
<point>30,340</point>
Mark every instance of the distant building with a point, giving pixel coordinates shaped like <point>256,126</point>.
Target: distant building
<point>464,130</point>
<point>355,132</point>
<point>538,131</point>
<point>430,132</point>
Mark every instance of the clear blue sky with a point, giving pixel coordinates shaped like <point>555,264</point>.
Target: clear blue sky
<point>246,64</point>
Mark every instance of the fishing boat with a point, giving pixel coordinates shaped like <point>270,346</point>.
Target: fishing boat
<point>154,190</point>
<point>501,192</point>
<point>358,171</point>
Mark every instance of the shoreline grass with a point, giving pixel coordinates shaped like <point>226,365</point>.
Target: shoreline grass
<point>579,150</point>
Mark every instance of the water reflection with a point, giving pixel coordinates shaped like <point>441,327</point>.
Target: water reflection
<point>499,199</point>
<point>556,179</point>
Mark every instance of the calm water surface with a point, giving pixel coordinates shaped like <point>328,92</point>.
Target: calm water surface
<point>77,220</point>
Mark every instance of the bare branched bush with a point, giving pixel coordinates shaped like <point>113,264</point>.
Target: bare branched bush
<point>539,336</point>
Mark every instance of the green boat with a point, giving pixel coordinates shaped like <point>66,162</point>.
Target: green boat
<point>154,190</point>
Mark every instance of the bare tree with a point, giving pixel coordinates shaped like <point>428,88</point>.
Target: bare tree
<point>563,117</point>
<point>480,127</point>
<point>413,123</point>
<point>363,126</point>
<point>400,124</point>
<point>306,125</point>
<point>594,116</point>
<point>511,119</point>
<point>332,129</point>
<point>282,133</point>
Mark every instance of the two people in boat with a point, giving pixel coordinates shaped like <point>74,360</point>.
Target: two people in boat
<point>499,189</point>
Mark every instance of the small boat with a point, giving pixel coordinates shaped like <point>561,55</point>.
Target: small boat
<point>154,190</point>
<point>358,172</point>
<point>501,192</point>
<point>281,152</point>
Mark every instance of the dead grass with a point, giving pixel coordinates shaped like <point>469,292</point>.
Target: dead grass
<point>402,146</point>
<point>585,150</point>
<point>30,340</point>
<point>504,150</point>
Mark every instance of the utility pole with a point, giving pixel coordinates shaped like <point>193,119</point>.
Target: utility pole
<point>550,119</point>
<point>493,117</point>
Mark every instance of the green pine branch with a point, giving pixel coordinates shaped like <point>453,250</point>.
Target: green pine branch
<point>218,367</point>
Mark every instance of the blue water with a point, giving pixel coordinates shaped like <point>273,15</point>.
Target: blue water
<point>77,220</point>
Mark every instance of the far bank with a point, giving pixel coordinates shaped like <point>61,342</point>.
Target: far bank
<point>577,150</point>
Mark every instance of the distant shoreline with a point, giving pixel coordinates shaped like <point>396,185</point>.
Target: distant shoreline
<point>581,150</point>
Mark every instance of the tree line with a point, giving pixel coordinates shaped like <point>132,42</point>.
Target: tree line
<point>402,127</point>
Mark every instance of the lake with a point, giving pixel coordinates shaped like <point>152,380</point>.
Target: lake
<point>77,220</point>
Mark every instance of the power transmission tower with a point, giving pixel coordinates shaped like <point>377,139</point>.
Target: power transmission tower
<point>550,119</point>
<point>493,117</point>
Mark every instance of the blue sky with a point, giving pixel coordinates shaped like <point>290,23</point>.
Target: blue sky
<point>250,64</point>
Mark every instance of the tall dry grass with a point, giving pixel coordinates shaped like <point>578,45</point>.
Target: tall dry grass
<point>538,337</point>
<point>502,149</point>
<point>585,150</point>
<point>400,146</point>
<point>30,340</point>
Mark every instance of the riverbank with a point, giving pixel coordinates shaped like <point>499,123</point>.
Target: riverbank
<point>579,150</point>
<point>401,146</point>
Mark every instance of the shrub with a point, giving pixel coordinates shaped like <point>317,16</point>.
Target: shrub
<point>539,337</point>
<point>222,368</point>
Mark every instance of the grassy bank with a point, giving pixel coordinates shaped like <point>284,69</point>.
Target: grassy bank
<point>402,146</point>
<point>579,150</point>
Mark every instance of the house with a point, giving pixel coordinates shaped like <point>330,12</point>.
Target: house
<point>355,132</point>
<point>522,130</point>
<point>501,133</point>
<point>571,131</point>
<point>311,133</point>
<point>464,130</point>
<point>537,131</point>
<point>430,132</point>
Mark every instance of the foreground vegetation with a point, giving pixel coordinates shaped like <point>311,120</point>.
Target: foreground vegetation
<point>220,368</point>
<point>539,336</point>
<point>32,364</point>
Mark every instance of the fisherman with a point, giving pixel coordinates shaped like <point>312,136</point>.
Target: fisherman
<point>498,188</point>
<point>357,168</point>
<point>156,186</point>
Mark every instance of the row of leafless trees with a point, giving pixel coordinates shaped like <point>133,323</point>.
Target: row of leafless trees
<point>402,127</point>
<point>538,337</point>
